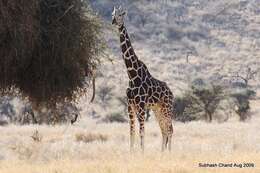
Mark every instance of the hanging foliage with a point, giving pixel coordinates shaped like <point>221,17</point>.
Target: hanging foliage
<point>48,48</point>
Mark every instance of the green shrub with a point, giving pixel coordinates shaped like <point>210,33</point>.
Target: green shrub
<point>180,104</point>
<point>203,101</point>
<point>241,101</point>
<point>199,102</point>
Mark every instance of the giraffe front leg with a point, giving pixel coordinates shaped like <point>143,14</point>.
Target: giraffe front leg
<point>141,118</point>
<point>131,114</point>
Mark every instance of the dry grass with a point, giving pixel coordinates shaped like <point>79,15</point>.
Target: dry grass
<point>36,136</point>
<point>104,148</point>
<point>156,164</point>
<point>90,137</point>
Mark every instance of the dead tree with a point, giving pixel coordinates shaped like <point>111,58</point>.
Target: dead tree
<point>248,76</point>
<point>74,119</point>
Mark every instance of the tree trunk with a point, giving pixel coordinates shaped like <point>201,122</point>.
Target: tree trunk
<point>208,116</point>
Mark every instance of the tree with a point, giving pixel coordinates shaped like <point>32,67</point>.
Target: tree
<point>241,102</point>
<point>208,98</point>
<point>180,104</point>
<point>49,50</point>
<point>200,102</point>
<point>246,74</point>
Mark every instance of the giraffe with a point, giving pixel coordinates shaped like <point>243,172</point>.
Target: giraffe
<point>144,91</point>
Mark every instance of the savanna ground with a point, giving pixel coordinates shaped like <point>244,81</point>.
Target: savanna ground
<point>91,147</point>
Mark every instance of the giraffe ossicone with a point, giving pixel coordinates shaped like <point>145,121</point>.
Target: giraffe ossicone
<point>144,91</point>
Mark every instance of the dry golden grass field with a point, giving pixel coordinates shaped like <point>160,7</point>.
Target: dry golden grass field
<point>88,147</point>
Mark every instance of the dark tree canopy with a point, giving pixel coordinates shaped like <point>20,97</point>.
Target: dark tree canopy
<point>47,48</point>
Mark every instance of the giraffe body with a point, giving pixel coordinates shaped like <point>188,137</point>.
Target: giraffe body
<point>144,91</point>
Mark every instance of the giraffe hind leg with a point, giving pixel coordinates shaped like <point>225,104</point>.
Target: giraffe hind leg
<point>169,128</point>
<point>169,138</point>
<point>165,124</point>
<point>167,135</point>
<point>159,116</point>
<point>164,142</point>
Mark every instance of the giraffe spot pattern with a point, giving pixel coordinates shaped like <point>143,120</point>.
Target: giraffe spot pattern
<point>145,91</point>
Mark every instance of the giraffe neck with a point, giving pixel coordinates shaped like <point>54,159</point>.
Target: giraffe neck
<point>131,61</point>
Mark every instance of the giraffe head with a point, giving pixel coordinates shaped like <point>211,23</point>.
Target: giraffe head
<point>118,16</point>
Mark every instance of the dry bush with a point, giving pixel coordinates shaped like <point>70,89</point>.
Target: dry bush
<point>47,48</point>
<point>87,138</point>
<point>23,151</point>
<point>105,93</point>
<point>36,136</point>
<point>3,123</point>
<point>7,108</point>
<point>62,113</point>
<point>180,104</point>
<point>115,117</point>
<point>23,113</point>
